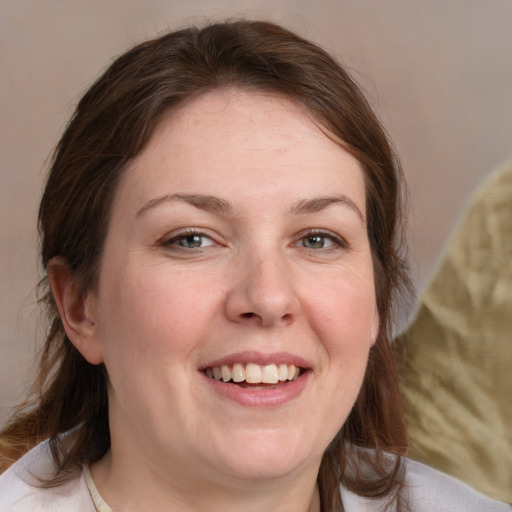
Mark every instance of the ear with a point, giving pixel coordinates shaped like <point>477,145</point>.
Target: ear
<point>375,328</point>
<point>76,310</point>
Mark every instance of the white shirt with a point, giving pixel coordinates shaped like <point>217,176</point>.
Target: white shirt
<point>426,489</point>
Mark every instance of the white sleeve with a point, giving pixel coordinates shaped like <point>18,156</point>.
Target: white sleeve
<point>428,490</point>
<point>21,491</point>
<point>432,491</point>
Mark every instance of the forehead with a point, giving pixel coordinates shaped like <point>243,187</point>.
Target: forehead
<point>230,116</point>
<point>258,140</point>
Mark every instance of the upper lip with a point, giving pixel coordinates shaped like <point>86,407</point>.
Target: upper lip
<point>258,358</point>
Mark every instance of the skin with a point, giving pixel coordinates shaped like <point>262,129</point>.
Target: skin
<point>262,279</point>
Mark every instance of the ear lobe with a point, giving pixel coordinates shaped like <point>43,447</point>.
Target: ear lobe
<point>375,328</point>
<point>75,309</point>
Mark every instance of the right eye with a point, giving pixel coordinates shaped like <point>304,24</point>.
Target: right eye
<point>189,240</point>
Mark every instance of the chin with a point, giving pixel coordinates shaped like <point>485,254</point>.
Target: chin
<point>268,455</point>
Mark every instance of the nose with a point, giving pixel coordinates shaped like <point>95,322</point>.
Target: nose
<point>262,292</point>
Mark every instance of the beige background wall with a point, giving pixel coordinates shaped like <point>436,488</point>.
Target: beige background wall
<point>438,71</point>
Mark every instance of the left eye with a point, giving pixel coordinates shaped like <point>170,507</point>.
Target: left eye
<point>316,241</point>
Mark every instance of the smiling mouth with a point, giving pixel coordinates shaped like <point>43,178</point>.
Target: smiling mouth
<point>251,374</point>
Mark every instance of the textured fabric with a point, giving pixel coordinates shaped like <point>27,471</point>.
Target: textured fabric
<point>457,355</point>
<point>426,490</point>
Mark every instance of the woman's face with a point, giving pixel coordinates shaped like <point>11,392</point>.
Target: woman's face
<point>236,256</point>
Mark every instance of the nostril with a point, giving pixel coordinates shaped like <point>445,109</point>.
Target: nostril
<point>247,315</point>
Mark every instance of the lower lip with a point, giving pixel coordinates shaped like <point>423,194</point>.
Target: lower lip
<point>271,397</point>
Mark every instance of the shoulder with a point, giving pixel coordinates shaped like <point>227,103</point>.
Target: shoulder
<point>428,490</point>
<point>21,491</point>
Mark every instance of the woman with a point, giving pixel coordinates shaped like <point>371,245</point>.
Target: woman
<point>221,236</point>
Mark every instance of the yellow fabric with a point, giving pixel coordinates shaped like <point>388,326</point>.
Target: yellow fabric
<point>456,357</point>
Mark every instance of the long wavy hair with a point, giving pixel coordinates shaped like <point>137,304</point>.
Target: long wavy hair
<point>112,123</point>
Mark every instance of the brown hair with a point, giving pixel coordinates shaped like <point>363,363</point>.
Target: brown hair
<point>110,126</point>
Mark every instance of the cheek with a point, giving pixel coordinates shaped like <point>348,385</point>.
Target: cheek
<point>344,310</point>
<point>341,317</point>
<point>155,314</point>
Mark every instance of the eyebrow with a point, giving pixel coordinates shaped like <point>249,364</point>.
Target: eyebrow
<point>203,202</point>
<point>318,204</point>
<point>221,206</point>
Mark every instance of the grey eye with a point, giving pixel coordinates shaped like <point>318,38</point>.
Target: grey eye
<point>193,241</point>
<point>316,241</point>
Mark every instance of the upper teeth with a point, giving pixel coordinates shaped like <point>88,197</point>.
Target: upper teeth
<point>254,373</point>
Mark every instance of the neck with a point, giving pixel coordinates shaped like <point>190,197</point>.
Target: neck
<point>129,488</point>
